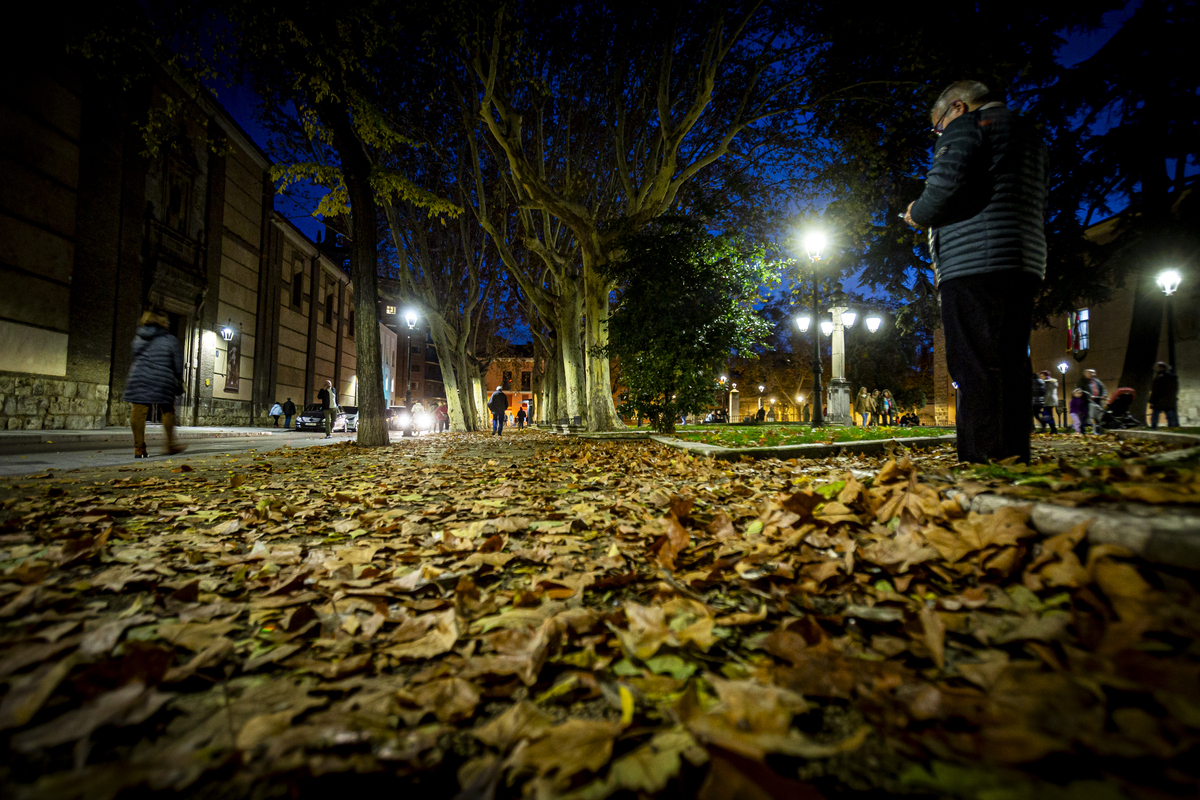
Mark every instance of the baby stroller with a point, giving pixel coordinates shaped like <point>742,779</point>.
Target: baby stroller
<point>1116,416</point>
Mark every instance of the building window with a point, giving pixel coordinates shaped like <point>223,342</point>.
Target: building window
<point>1084,336</point>
<point>416,367</point>
<point>389,310</point>
<point>329,309</point>
<point>350,327</point>
<point>526,381</point>
<point>506,380</point>
<point>297,289</point>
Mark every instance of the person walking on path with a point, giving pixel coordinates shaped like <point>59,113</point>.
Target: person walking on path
<point>876,407</point>
<point>498,404</point>
<point>889,408</point>
<point>1039,396</point>
<point>1049,401</point>
<point>441,417</point>
<point>155,379</point>
<point>1095,387</point>
<point>275,413</point>
<point>328,398</point>
<point>984,203</point>
<point>289,411</point>
<point>1078,410</point>
<point>862,405</point>
<point>521,417</point>
<point>1164,395</point>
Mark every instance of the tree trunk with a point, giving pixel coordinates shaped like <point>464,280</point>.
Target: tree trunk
<point>573,389</point>
<point>450,381</point>
<point>601,412</point>
<point>364,243</point>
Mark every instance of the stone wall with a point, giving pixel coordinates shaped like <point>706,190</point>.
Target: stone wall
<point>35,403</point>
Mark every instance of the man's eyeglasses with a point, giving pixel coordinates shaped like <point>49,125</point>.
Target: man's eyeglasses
<point>939,128</point>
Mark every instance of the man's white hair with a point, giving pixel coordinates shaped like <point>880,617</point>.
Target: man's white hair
<point>970,92</point>
<point>498,388</point>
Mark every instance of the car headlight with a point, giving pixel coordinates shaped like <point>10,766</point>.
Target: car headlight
<point>423,421</point>
<point>404,418</point>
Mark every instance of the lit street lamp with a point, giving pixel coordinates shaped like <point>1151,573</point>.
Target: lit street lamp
<point>1168,280</point>
<point>814,244</point>
<point>873,321</point>
<point>1062,414</point>
<point>826,326</point>
<point>410,319</point>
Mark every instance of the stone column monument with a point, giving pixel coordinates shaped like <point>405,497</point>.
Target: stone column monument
<point>735,407</point>
<point>839,388</point>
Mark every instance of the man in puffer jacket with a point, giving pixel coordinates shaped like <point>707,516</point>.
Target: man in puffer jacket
<point>984,201</point>
<point>155,379</point>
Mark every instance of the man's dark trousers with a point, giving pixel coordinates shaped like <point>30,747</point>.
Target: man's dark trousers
<point>497,424</point>
<point>987,319</point>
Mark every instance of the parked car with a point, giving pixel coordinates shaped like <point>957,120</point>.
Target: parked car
<point>351,417</point>
<point>313,418</point>
<point>392,416</point>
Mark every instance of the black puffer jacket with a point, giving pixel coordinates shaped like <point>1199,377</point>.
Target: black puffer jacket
<point>985,196</point>
<point>157,372</point>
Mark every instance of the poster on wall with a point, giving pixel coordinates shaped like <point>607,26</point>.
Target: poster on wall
<point>233,367</point>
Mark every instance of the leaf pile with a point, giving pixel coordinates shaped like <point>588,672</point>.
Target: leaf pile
<point>539,617</point>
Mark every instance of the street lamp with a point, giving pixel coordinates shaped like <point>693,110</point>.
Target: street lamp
<point>814,245</point>
<point>873,321</point>
<point>410,319</point>
<point>1062,414</point>
<point>848,318</point>
<point>827,326</point>
<point>1169,280</point>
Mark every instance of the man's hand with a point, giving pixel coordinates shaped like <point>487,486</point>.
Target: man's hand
<point>908,217</point>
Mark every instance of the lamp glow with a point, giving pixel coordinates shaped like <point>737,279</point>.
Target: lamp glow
<point>760,388</point>
<point>814,243</point>
<point>802,322</point>
<point>827,326</point>
<point>873,322</point>
<point>410,319</point>
<point>848,318</point>
<point>1063,368</point>
<point>1168,280</point>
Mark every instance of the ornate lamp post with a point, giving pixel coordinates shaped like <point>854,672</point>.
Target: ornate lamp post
<point>1168,280</point>
<point>760,397</point>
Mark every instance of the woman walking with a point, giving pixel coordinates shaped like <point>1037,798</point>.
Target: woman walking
<point>155,379</point>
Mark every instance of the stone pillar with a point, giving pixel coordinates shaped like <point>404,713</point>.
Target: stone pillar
<point>735,409</point>
<point>839,389</point>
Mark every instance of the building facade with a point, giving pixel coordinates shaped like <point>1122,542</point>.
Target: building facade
<point>96,227</point>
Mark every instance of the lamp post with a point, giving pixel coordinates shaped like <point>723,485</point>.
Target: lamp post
<point>814,243</point>
<point>760,392</point>
<point>410,319</point>
<point>1062,416</point>
<point>839,389</point>
<point>1168,280</point>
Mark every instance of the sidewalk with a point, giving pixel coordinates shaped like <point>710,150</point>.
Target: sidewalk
<point>125,435</point>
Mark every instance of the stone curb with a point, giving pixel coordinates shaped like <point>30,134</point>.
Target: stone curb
<point>152,435</point>
<point>1160,436</point>
<point>1168,539</point>
<point>869,447</point>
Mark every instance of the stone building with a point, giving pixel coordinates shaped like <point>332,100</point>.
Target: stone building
<point>515,375</point>
<point>96,227</point>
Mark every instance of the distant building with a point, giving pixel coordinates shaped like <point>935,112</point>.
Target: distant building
<point>514,373</point>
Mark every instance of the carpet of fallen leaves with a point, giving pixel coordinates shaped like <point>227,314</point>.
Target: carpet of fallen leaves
<point>540,617</point>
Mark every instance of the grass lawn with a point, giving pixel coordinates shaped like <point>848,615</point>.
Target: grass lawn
<point>777,435</point>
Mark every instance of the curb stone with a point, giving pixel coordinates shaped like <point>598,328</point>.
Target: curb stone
<point>1160,436</point>
<point>1169,539</point>
<point>868,447</point>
